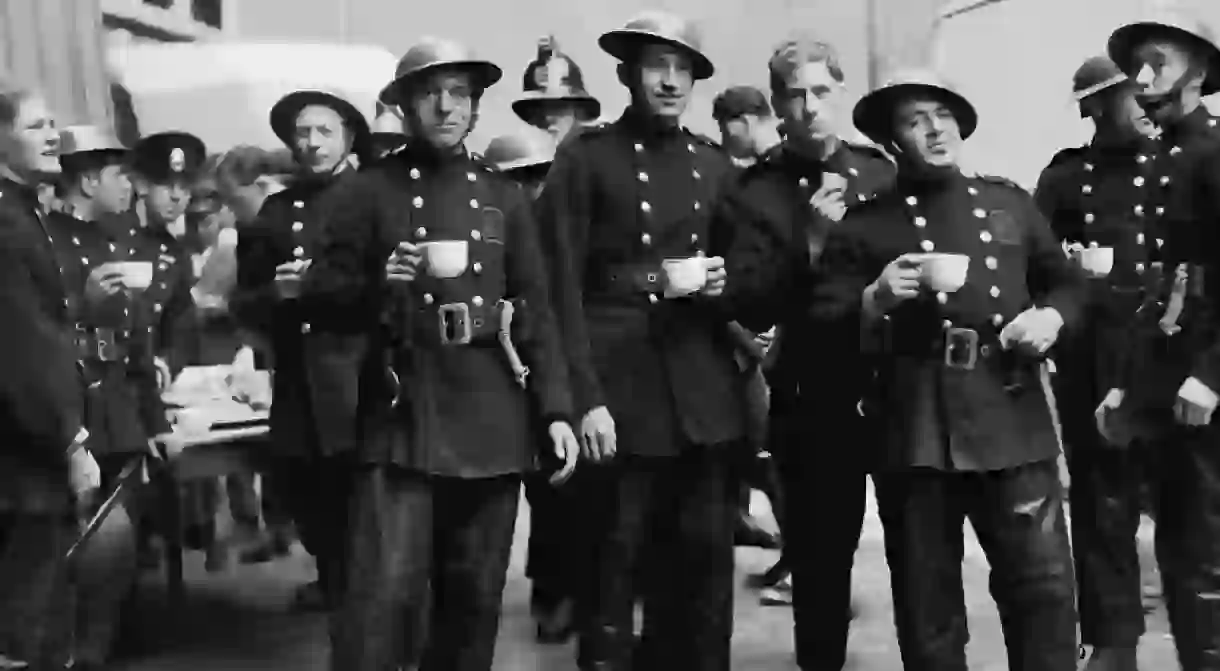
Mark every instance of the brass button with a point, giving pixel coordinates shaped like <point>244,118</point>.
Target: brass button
<point>421,232</point>
<point>926,245</point>
<point>920,222</point>
<point>476,235</point>
<point>995,292</point>
<point>643,177</point>
<point>476,267</point>
<point>297,227</point>
<point>428,299</point>
<point>985,236</point>
<point>414,173</point>
<point>652,298</point>
<point>477,301</point>
<point>646,239</point>
<point>645,206</point>
<point>991,262</point>
<point>418,201</point>
<point>305,328</point>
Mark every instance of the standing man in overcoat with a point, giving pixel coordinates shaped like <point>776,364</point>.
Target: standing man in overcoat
<point>1102,202</point>
<point>625,214</point>
<point>958,288</point>
<point>1168,398</point>
<point>778,217</point>
<point>313,420</point>
<point>434,256</point>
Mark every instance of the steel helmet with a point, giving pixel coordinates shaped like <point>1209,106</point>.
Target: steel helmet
<point>1174,24</point>
<point>874,114</point>
<point>658,27</point>
<point>554,77</point>
<point>432,53</point>
<point>520,150</point>
<point>284,116</point>
<point>89,139</point>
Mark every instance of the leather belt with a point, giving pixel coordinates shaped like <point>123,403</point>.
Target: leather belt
<point>466,323</point>
<point>628,278</point>
<point>956,347</point>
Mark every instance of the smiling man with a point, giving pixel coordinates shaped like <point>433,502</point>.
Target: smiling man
<point>456,308</point>
<point>625,216</point>
<point>959,287</point>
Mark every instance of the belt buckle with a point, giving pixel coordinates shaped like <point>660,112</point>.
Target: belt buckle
<point>961,348</point>
<point>454,323</point>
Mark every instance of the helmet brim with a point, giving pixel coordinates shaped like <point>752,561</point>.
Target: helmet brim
<point>874,114</point>
<point>284,114</point>
<point>486,75</point>
<point>528,106</point>
<point>625,44</point>
<point>1123,42</point>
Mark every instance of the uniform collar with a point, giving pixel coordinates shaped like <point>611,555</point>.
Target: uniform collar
<point>1194,125</point>
<point>647,126</point>
<point>910,181</point>
<point>419,152</point>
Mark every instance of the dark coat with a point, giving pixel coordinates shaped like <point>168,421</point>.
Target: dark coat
<point>316,372</point>
<point>461,411</point>
<point>620,199</point>
<point>1157,366</point>
<point>123,405</point>
<point>41,404</point>
<point>995,415</point>
<point>773,238</point>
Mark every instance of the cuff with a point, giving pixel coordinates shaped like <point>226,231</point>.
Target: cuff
<point>1196,392</point>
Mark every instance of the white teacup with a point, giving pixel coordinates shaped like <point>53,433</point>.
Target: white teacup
<point>943,272</point>
<point>137,275</point>
<point>446,259</point>
<point>684,276</point>
<point>1096,261</point>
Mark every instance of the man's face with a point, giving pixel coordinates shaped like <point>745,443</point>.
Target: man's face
<point>1160,64</point>
<point>35,146</point>
<point>557,118</point>
<point>666,80</point>
<point>320,138</point>
<point>111,190</point>
<point>1118,110</point>
<point>442,108</point>
<point>809,103</point>
<point>749,135</point>
<point>165,203</point>
<point>927,133</point>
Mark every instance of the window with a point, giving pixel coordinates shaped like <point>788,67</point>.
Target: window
<point>163,4</point>
<point>207,12</point>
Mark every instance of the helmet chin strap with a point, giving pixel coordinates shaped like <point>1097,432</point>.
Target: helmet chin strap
<point>1154,103</point>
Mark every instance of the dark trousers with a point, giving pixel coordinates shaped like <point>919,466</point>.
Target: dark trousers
<point>672,516</point>
<point>561,549</point>
<point>825,485</point>
<point>315,492</point>
<point>1017,515</point>
<point>409,532</point>
<point>36,604</point>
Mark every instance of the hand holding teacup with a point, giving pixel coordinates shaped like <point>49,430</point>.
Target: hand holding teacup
<point>717,276</point>
<point>1096,261</point>
<point>104,281</point>
<point>828,199</point>
<point>403,264</point>
<point>288,278</point>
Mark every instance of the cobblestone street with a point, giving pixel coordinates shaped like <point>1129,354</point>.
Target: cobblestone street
<point>239,621</point>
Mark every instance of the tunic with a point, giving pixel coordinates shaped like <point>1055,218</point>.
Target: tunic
<point>946,394</point>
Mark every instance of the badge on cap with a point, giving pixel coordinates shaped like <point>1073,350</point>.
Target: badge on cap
<point>177,160</point>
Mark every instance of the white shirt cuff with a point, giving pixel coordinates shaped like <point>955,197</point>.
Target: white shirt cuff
<point>1198,393</point>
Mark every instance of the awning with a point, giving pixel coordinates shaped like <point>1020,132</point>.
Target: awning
<point>223,92</point>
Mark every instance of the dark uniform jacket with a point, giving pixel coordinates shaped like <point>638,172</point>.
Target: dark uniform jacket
<point>620,199</point>
<point>774,237</point>
<point>123,407</point>
<point>993,415</point>
<point>316,373</point>
<point>460,412</point>
<point>166,309</point>
<point>1111,197</point>
<point>41,405</point>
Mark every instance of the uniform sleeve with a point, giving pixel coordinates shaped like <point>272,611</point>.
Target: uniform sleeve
<point>757,258</point>
<point>178,327</point>
<point>1052,279</point>
<point>1206,366</point>
<point>1046,197</point>
<point>564,218</point>
<point>526,277</point>
<point>343,285</point>
<point>41,404</point>
<point>253,301</point>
